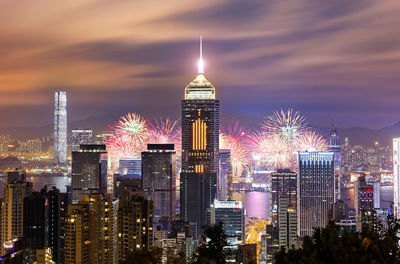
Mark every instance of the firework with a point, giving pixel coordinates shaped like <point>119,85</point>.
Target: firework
<point>128,139</point>
<point>133,125</point>
<point>164,131</point>
<point>239,154</point>
<point>271,149</point>
<point>232,137</point>
<point>289,125</point>
<point>311,141</point>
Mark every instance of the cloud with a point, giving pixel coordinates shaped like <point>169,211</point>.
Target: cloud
<point>326,58</point>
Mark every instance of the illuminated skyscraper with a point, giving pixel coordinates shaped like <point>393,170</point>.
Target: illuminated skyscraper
<point>396,176</point>
<point>60,129</point>
<point>316,190</point>
<point>200,148</point>
<point>334,146</point>
<point>81,136</point>
<point>13,206</point>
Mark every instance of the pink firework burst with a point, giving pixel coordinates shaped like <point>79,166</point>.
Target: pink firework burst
<point>163,131</point>
<point>311,141</point>
<point>232,137</point>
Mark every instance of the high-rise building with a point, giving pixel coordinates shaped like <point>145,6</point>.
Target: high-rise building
<point>287,223</point>
<point>57,206</point>
<point>159,181</point>
<point>13,207</point>
<point>60,128</point>
<point>34,224</point>
<point>364,203</point>
<point>91,231</point>
<point>334,146</point>
<point>200,148</point>
<point>316,190</point>
<point>283,183</point>
<point>130,167</point>
<point>232,215</point>
<point>225,177</point>
<point>81,137</point>
<point>88,174</point>
<point>396,177</point>
<point>135,218</point>
<point>77,234</point>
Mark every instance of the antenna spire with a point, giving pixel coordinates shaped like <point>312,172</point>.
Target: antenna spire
<point>201,63</point>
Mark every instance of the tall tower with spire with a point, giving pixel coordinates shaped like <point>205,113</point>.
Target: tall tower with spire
<point>200,147</point>
<point>334,146</point>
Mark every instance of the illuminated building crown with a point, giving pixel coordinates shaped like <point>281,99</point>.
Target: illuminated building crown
<point>200,88</point>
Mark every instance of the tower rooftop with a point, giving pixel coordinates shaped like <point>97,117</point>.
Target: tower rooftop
<point>200,88</point>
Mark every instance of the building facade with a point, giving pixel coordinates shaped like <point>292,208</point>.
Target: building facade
<point>232,215</point>
<point>81,136</point>
<point>12,211</point>
<point>159,182</point>
<point>135,219</point>
<point>60,129</point>
<point>316,190</point>
<point>334,146</point>
<point>88,172</point>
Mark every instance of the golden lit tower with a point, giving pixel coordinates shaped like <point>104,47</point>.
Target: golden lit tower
<point>200,147</point>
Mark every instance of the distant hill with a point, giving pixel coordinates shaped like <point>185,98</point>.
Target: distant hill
<point>366,136</point>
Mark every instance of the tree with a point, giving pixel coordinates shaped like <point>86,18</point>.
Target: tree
<point>329,246</point>
<point>213,251</point>
<point>144,257</point>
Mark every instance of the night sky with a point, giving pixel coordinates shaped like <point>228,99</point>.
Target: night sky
<point>332,60</point>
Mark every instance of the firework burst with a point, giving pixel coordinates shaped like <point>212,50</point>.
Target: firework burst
<point>128,139</point>
<point>232,136</point>
<point>164,131</point>
<point>133,125</point>
<point>271,148</point>
<point>289,125</point>
<point>311,141</point>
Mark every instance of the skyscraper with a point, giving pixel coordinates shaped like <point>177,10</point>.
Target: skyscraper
<point>334,146</point>
<point>91,230</point>
<point>56,213</point>
<point>396,177</point>
<point>225,177</point>
<point>232,215</point>
<point>130,167</point>
<point>364,203</point>
<point>159,181</point>
<point>88,174</point>
<point>200,148</point>
<point>316,190</point>
<point>287,223</point>
<point>283,184</point>
<point>135,218</point>
<point>34,223</point>
<point>81,136</point>
<point>60,128</point>
<point>13,206</point>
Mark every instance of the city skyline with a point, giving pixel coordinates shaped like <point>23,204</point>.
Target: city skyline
<point>261,56</point>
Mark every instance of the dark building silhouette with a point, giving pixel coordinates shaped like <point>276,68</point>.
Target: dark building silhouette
<point>159,182</point>
<point>88,172</point>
